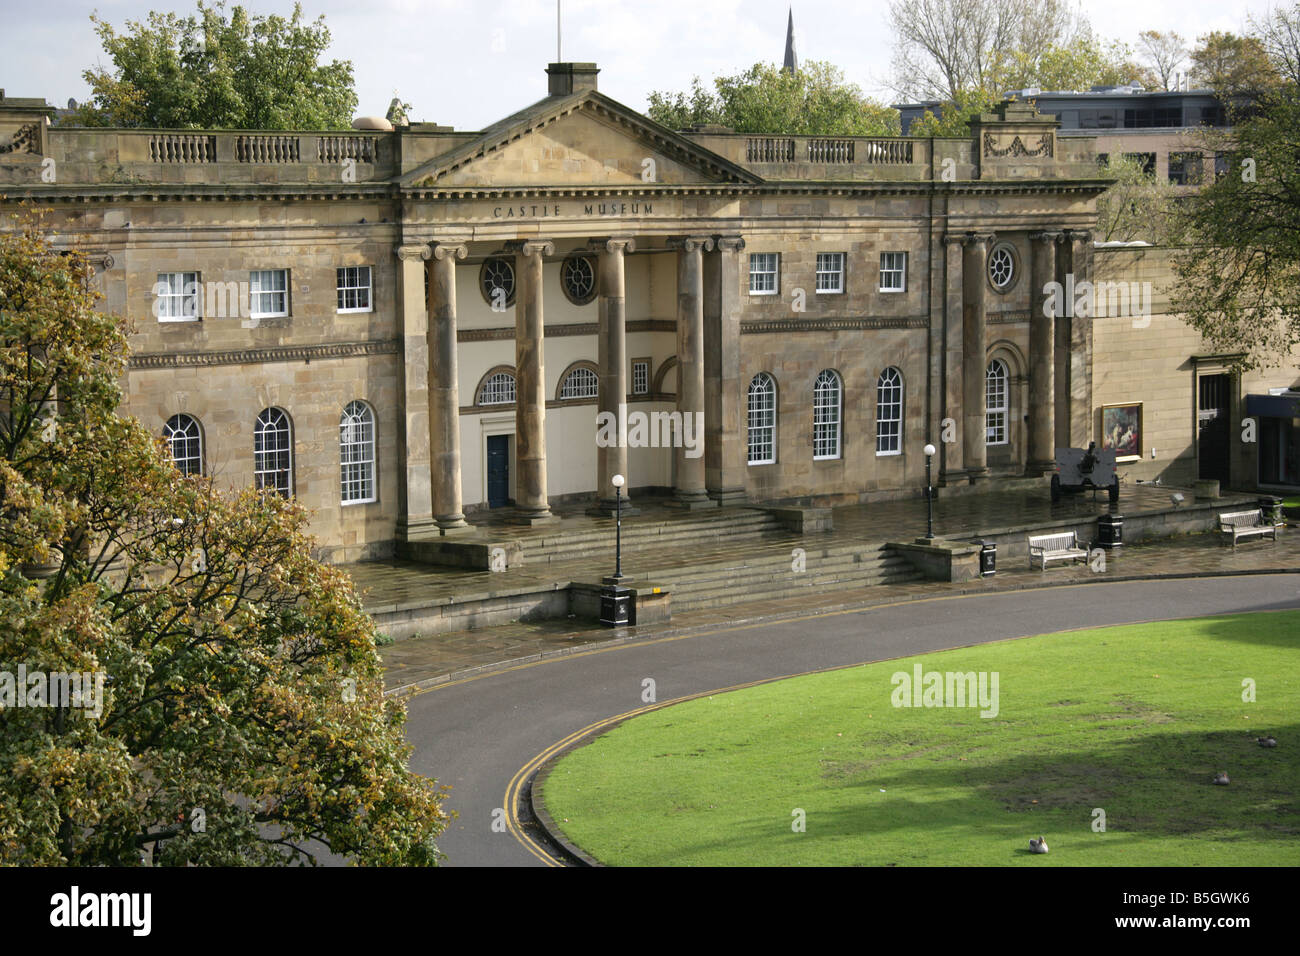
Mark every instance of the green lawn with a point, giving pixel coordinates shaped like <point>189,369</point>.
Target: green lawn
<point>1131,720</point>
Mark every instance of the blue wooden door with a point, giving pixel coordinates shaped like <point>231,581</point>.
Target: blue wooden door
<point>498,470</point>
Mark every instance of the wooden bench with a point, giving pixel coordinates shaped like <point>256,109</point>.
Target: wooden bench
<point>1246,524</point>
<point>1061,546</point>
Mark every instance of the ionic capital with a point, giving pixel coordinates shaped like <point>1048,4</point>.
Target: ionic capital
<point>614,245</point>
<point>1078,235</point>
<point>1046,235</point>
<point>448,250</point>
<point>420,251</point>
<point>691,244</point>
<point>531,247</point>
<point>729,243</point>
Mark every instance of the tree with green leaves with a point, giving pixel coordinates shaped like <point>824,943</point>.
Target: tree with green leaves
<point>227,700</point>
<point>207,71</point>
<point>1239,280</point>
<point>816,100</point>
<point>1233,65</point>
<point>1139,206</point>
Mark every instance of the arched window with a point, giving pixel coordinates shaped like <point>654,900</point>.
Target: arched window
<point>995,403</point>
<point>273,452</point>
<point>497,389</point>
<point>357,453</point>
<point>580,383</point>
<point>762,420</point>
<point>185,442</point>
<point>827,395</point>
<point>889,412</point>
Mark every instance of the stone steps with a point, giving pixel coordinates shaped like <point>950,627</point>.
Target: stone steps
<point>772,577</point>
<point>679,535</point>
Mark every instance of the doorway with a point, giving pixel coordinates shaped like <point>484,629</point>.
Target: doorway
<point>498,471</point>
<point>1212,429</point>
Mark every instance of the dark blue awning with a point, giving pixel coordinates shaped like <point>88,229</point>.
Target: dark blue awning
<point>1273,406</point>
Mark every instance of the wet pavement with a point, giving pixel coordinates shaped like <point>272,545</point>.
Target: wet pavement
<point>423,661</point>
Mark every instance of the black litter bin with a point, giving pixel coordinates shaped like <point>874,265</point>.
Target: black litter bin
<point>1270,508</point>
<point>1110,531</point>
<point>988,557</point>
<point>615,605</point>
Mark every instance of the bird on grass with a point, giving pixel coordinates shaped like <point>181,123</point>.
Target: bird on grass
<point>1038,846</point>
<point>1221,778</point>
<point>1269,741</point>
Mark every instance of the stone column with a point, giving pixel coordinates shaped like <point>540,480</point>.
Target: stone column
<point>949,437</point>
<point>1061,345</point>
<point>444,387</point>
<point>1042,333</point>
<point>691,491</point>
<point>611,349</point>
<point>1080,345</point>
<point>531,504</point>
<point>974,282</point>
<point>726,408</point>
<point>416,518</point>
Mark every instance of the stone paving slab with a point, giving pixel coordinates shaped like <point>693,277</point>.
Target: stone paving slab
<point>424,662</point>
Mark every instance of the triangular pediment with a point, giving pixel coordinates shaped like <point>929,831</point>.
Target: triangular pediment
<point>582,140</point>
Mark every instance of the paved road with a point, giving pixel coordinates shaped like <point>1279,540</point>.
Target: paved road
<point>477,735</point>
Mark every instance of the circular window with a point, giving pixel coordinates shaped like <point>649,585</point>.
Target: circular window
<point>497,283</point>
<point>578,279</point>
<point>1002,267</point>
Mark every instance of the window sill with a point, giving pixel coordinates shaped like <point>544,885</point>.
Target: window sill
<point>353,311</point>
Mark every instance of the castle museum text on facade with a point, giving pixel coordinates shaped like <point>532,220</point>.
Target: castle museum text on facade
<point>405,327</point>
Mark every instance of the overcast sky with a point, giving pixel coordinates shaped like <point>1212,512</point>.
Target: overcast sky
<point>467,63</point>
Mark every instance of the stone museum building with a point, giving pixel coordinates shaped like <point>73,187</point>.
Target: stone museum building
<point>407,327</point>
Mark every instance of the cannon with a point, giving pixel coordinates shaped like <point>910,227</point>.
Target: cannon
<point>1078,469</point>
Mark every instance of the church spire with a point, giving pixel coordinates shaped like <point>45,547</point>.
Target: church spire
<point>791,60</point>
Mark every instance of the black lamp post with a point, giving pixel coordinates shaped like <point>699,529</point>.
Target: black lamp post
<point>615,599</point>
<point>929,493</point>
<point>617,482</point>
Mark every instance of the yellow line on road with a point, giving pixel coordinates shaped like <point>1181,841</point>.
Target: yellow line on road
<point>514,789</point>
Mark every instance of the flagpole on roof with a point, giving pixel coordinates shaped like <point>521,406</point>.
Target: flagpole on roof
<point>557,31</point>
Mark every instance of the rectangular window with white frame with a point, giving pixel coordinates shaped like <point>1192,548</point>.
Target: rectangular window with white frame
<point>893,272</point>
<point>830,272</point>
<point>763,273</point>
<point>640,376</point>
<point>268,293</point>
<point>354,288</point>
<point>177,297</point>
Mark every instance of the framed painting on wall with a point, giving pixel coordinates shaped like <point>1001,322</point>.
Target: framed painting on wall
<point>1121,430</point>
